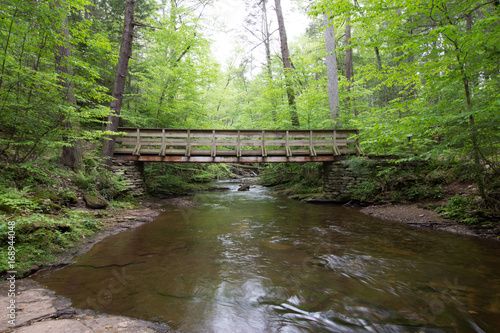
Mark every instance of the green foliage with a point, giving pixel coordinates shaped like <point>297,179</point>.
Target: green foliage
<point>398,180</point>
<point>102,182</point>
<point>293,179</point>
<point>35,110</point>
<point>461,209</point>
<point>39,238</point>
<point>13,200</point>
<point>171,179</point>
<point>34,187</point>
<point>361,165</point>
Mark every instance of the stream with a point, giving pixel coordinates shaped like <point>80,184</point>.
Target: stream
<point>257,262</point>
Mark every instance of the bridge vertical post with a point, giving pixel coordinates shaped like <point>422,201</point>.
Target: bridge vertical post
<point>137,143</point>
<point>163,143</point>
<point>288,150</point>
<point>264,152</point>
<point>214,148</point>
<point>238,145</point>
<point>188,144</point>
<point>311,146</point>
<point>335,146</point>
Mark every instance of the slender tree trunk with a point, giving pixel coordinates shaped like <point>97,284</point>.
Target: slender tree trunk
<point>379,59</point>
<point>349,70</point>
<point>267,39</point>
<point>72,153</point>
<point>120,80</point>
<point>331,73</point>
<point>287,66</point>
<point>383,93</point>
<point>479,172</point>
<point>476,153</point>
<point>267,44</point>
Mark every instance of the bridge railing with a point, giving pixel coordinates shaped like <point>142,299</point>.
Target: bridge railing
<point>198,142</point>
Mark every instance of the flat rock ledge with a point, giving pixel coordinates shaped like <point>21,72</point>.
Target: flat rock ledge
<point>39,310</point>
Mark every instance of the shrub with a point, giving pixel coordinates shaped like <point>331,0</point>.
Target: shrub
<point>460,209</point>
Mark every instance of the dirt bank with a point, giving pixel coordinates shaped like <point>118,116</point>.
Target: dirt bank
<point>413,215</point>
<point>38,309</point>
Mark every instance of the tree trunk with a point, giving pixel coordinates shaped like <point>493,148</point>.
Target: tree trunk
<point>379,59</point>
<point>349,71</point>
<point>287,66</point>
<point>120,80</point>
<point>479,172</point>
<point>476,153</point>
<point>72,153</point>
<point>267,44</point>
<point>267,39</point>
<point>331,72</point>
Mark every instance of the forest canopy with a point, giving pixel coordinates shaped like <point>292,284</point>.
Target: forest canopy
<point>414,77</point>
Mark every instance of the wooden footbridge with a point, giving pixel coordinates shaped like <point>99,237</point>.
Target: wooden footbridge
<point>234,146</point>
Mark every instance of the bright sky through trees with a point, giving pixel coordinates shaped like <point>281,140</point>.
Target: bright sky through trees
<point>230,16</point>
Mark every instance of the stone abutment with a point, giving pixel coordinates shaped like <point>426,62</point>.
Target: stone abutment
<point>133,173</point>
<point>343,178</point>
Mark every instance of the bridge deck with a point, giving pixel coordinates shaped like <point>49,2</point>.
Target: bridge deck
<point>226,146</point>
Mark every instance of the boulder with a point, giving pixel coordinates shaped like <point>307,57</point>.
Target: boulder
<point>94,202</point>
<point>244,187</point>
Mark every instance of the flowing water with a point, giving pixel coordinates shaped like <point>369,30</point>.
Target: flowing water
<point>257,262</point>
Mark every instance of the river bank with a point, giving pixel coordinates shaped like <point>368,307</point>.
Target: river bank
<point>38,309</point>
<point>416,216</point>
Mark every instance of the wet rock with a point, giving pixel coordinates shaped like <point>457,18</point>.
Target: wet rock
<point>318,262</point>
<point>244,187</point>
<point>94,202</point>
<point>40,310</point>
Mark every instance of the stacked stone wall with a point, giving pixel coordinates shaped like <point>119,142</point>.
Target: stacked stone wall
<point>339,179</point>
<point>133,172</point>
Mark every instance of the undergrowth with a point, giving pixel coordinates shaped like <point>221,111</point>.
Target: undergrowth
<point>298,181</point>
<point>39,238</point>
<point>180,179</point>
<point>39,198</point>
<point>397,181</point>
<point>413,180</point>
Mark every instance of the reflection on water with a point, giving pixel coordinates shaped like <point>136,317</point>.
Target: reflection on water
<point>255,262</point>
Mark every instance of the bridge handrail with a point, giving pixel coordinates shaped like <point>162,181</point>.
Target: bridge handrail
<point>245,142</point>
